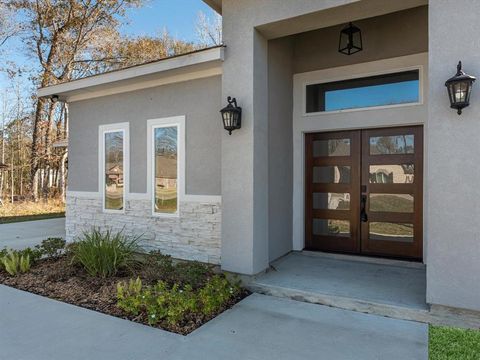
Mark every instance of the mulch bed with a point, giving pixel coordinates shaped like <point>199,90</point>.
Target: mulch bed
<point>57,279</point>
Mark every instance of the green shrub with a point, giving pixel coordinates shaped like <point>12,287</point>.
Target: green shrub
<point>193,273</point>
<point>173,304</point>
<point>51,248</point>
<point>157,266</point>
<point>130,296</point>
<point>216,293</point>
<point>33,254</point>
<point>103,254</point>
<point>15,262</point>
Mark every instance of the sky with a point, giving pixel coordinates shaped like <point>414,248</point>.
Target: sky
<point>178,16</point>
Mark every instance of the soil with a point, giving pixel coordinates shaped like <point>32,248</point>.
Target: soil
<point>58,279</point>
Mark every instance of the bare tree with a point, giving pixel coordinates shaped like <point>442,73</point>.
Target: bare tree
<point>209,29</point>
<point>60,33</point>
<point>8,27</point>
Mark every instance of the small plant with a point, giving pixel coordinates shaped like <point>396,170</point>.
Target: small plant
<point>170,304</point>
<point>216,293</point>
<point>51,248</point>
<point>130,296</point>
<point>33,254</point>
<point>193,273</point>
<point>157,266</point>
<point>16,262</point>
<point>173,304</point>
<point>103,254</point>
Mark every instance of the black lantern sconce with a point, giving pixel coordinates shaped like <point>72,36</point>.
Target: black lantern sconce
<point>350,40</point>
<point>231,115</point>
<point>459,89</point>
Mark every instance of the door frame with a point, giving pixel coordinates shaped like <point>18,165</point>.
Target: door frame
<point>410,115</point>
<point>359,161</point>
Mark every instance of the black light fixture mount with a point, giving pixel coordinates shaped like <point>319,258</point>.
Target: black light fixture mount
<point>231,115</point>
<point>459,89</point>
<point>350,40</point>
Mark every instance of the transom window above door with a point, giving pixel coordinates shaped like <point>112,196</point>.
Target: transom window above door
<point>391,89</point>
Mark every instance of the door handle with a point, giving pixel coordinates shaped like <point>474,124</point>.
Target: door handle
<point>363,212</point>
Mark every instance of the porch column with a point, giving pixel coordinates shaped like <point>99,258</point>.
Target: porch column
<point>245,152</point>
<point>453,159</point>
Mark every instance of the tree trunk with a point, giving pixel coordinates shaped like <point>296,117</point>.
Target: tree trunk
<point>63,177</point>
<point>35,161</point>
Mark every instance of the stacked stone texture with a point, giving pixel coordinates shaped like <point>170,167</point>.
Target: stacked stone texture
<point>194,235</point>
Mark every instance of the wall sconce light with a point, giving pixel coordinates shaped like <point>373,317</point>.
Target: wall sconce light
<point>459,89</point>
<point>350,40</point>
<point>231,115</point>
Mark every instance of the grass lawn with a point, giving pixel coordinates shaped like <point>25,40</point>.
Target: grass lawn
<point>29,210</point>
<point>13,219</point>
<point>453,344</point>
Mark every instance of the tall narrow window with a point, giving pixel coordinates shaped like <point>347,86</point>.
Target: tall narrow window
<point>166,147</point>
<point>166,193</point>
<point>114,180</point>
<point>113,168</point>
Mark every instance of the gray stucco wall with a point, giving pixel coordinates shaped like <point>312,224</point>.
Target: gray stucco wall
<point>316,50</point>
<point>248,25</point>
<point>280,146</point>
<point>453,156</point>
<point>199,100</point>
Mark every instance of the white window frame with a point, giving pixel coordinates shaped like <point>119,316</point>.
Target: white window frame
<point>152,124</point>
<point>102,130</point>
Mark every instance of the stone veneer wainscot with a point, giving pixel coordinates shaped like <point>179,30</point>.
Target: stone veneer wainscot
<point>194,235</point>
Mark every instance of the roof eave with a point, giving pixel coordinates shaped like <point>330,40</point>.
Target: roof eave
<point>182,63</point>
<point>215,5</point>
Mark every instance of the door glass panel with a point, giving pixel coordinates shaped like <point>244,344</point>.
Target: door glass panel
<point>395,144</point>
<point>331,174</point>
<point>401,203</point>
<point>391,174</point>
<point>331,147</point>
<point>329,227</point>
<point>331,201</point>
<point>385,231</point>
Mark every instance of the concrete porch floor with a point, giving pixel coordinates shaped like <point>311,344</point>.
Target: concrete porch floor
<point>391,288</point>
<point>395,289</point>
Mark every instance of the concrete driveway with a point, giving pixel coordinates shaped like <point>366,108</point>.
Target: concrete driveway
<point>258,328</point>
<point>30,233</point>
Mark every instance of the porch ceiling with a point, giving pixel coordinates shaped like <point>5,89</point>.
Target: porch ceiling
<point>361,9</point>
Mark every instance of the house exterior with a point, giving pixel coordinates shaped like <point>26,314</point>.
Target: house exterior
<point>358,154</point>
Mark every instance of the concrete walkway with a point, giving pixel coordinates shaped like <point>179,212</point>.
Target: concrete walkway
<point>30,233</point>
<point>259,327</point>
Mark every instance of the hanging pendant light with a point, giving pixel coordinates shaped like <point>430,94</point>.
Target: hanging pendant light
<point>350,40</point>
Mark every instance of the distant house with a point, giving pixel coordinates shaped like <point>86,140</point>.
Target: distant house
<point>356,154</point>
<point>115,174</point>
<point>166,171</point>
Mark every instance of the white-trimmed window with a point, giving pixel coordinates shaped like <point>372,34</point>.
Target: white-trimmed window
<point>114,165</point>
<point>388,89</point>
<point>166,164</point>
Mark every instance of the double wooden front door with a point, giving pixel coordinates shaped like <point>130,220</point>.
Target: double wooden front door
<point>363,192</point>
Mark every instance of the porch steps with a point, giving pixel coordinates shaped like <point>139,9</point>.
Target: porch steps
<point>346,303</point>
<point>382,289</point>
